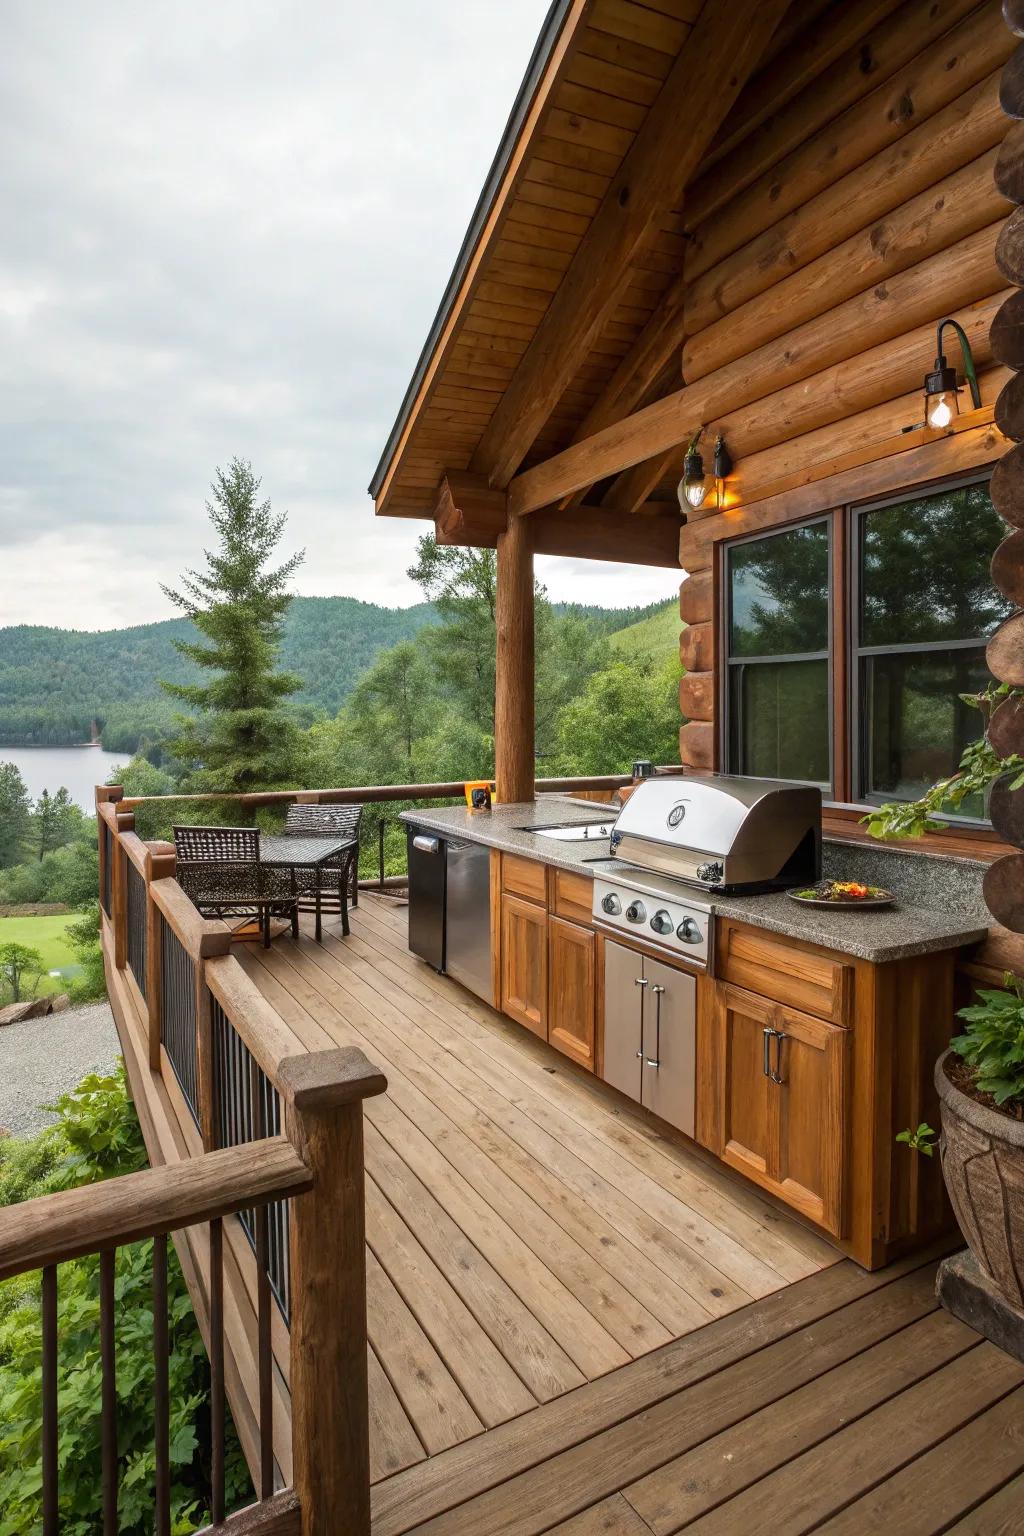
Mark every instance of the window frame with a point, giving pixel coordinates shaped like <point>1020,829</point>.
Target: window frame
<point>825,519</point>
<point>847,732</point>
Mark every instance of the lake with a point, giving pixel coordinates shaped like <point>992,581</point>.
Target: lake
<point>78,769</point>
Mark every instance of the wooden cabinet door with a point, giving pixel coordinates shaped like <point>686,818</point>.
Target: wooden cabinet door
<point>782,1102</point>
<point>524,963</point>
<point>571,990</point>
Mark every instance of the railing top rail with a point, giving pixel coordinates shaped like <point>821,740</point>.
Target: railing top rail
<point>371,793</point>
<point>200,936</point>
<point>137,851</point>
<point>254,1020</point>
<point>70,1223</point>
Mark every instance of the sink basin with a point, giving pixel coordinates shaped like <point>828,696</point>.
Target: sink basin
<point>587,832</point>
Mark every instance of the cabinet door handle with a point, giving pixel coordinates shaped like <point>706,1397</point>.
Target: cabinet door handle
<point>657,1028</point>
<point>766,1060</point>
<point>776,1075</point>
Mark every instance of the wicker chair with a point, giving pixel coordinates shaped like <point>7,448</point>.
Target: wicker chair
<point>339,877</point>
<point>220,872</point>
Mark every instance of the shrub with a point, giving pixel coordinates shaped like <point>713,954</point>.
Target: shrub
<point>96,1137</point>
<point>993,1042</point>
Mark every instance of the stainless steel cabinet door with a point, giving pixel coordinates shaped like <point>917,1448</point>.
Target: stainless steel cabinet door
<point>670,1045</point>
<point>623,1018</point>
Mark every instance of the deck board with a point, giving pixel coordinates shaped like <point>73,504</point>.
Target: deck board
<point>528,1234</point>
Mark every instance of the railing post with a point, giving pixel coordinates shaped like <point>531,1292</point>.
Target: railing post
<point>159,866</point>
<point>123,822</point>
<point>323,1096</point>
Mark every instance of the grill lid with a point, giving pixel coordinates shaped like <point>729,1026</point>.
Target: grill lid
<point>722,831</point>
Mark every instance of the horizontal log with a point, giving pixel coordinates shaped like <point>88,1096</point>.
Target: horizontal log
<point>1010,408</point>
<point>938,219</point>
<point>948,66</point>
<point>1003,889</point>
<point>697,744</point>
<point>1004,653</point>
<point>1006,810</point>
<point>1008,568</point>
<point>1011,86</point>
<point>1007,487</point>
<point>697,648</point>
<point>870,375</point>
<point>1010,247</point>
<point>1009,171</point>
<point>1007,334</point>
<point>956,136</point>
<point>697,696</point>
<point>886,49</point>
<point>1013,16</point>
<point>468,512</point>
<point>696,598</point>
<point>1006,727</point>
<point>53,1228</point>
<point>199,936</point>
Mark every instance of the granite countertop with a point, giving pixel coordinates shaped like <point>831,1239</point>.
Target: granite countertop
<point>892,933</point>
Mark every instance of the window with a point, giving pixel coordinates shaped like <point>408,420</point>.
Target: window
<point>779,619</point>
<point>913,575</point>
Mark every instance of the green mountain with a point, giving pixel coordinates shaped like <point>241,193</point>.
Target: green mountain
<point>57,684</point>
<point>656,635</point>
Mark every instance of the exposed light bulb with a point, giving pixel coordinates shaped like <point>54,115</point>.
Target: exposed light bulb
<point>940,411</point>
<point>696,490</point>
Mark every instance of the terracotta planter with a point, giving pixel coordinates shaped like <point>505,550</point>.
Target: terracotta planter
<point>982,1154</point>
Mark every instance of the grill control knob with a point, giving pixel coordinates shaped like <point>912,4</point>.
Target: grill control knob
<point>662,922</point>
<point>711,872</point>
<point>611,904</point>
<point>688,931</point>
<point>636,912</point>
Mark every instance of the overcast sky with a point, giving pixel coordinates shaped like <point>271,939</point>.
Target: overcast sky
<point>225,230</point>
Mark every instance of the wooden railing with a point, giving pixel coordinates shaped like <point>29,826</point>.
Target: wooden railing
<point>217,1073</point>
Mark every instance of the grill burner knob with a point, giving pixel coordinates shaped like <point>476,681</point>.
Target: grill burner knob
<point>611,904</point>
<point>689,931</point>
<point>662,922</point>
<point>636,912</point>
<point>710,873</point>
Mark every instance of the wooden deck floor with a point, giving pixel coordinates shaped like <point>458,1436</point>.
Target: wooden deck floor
<point>529,1234</point>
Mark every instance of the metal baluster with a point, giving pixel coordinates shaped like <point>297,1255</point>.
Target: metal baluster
<point>217,1369</point>
<point>49,1433</point>
<point>161,1390</point>
<point>266,1364</point>
<point>108,1453</point>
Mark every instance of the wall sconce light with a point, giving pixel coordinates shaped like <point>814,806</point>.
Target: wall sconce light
<point>693,487</point>
<point>941,390</point>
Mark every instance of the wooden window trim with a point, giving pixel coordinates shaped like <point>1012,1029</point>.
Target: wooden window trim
<point>842,816</point>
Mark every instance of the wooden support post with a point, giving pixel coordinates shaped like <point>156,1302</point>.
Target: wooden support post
<point>323,1095</point>
<point>514,675</point>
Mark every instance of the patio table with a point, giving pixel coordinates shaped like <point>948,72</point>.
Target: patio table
<point>295,853</point>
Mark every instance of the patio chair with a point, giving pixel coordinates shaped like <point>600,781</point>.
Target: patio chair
<point>339,878</point>
<point>220,872</point>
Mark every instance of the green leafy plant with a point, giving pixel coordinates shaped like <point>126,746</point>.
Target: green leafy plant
<point>993,1042</point>
<point>980,766</point>
<point>97,1136</point>
<point>921,1140</point>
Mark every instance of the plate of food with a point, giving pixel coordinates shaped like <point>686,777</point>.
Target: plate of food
<point>842,893</point>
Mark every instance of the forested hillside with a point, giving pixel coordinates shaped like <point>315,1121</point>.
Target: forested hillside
<point>54,683</point>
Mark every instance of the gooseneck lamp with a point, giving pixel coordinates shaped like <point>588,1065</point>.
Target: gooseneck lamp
<point>941,390</point>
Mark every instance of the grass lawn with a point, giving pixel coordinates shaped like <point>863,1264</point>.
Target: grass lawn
<point>49,936</point>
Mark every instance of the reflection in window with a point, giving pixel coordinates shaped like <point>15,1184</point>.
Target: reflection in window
<point>778,656</point>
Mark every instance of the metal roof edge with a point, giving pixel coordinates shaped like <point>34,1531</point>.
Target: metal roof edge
<point>542,51</point>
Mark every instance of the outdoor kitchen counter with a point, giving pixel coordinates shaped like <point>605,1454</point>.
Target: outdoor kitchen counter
<point>894,933</point>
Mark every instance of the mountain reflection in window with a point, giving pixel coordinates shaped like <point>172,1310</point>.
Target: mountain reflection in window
<point>779,594</point>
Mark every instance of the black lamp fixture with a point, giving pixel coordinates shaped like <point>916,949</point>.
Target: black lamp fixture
<point>693,487</point>
<point>941,390</point>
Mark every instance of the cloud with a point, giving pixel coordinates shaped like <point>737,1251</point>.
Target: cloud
<point>226,231</point>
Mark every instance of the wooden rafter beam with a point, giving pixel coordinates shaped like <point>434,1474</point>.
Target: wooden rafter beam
<point>712,67</point>
<point>471,514</point>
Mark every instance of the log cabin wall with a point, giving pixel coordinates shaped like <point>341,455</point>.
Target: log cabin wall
<point>823,261</point>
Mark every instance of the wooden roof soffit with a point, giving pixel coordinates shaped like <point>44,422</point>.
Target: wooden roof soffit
<point>470,513</point>
<point>719,56</point>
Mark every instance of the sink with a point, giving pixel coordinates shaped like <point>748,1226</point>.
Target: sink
<point>586,832</point>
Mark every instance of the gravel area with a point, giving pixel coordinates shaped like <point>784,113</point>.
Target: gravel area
<point>42,1058</point>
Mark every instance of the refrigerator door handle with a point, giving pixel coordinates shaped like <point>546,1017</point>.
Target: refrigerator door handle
<point>424,844</point>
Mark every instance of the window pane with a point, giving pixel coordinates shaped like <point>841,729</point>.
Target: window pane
<point>779,594</point>
<point>916,724</point>
<point>925,569</point>
<point>778,720</point>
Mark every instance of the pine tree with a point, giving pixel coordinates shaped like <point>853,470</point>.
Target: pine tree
<point>55,820</point>
<point>14,814</point>
<point>240,736</point>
